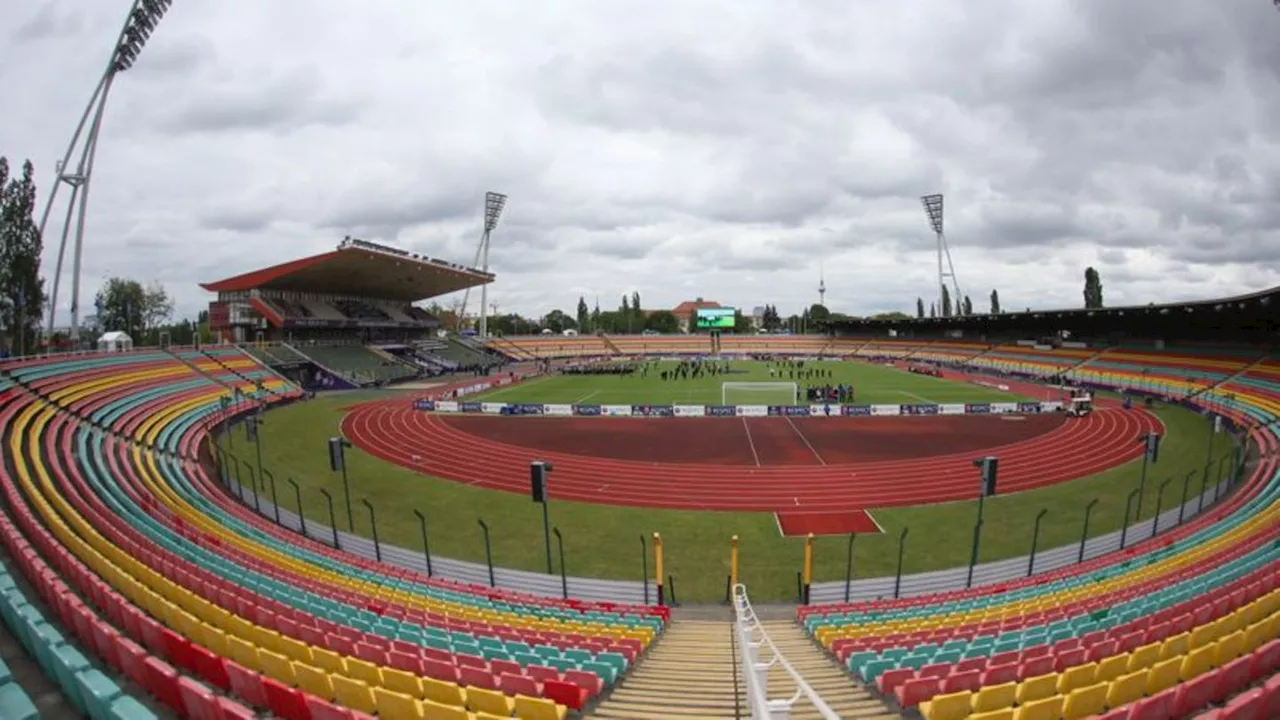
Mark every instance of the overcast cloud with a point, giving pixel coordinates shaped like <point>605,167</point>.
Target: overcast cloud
<point>680,148</point>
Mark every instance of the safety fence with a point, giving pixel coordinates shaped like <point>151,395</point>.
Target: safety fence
<point>757,656</point>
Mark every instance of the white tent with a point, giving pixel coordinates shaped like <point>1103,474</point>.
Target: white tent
<point>115,341</point>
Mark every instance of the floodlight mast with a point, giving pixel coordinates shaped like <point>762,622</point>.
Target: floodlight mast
<point>493,204</point>
<point>139,24</point>
<point>933,209</point>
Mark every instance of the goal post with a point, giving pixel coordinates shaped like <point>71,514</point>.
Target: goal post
<point>759,393</point>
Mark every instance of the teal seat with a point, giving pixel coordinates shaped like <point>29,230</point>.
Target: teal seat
<point>126,708</point>
<point>15,705</point>
<point>97,691</point>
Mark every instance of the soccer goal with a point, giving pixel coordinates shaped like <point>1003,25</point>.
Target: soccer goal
<point>759,393</point>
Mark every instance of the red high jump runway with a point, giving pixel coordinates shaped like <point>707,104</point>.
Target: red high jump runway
<point>817,474</point>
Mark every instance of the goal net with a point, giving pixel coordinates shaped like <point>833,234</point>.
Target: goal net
<point>759,393</point>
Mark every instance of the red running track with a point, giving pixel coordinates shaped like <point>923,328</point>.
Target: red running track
<point>430,443</point>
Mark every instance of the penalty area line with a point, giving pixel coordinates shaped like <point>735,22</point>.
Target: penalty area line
<point>751,442</point>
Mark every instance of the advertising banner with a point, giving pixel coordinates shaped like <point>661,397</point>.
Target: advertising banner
<point>492,408</point>
<point>447,406</point>
<point>885,410</point>
<point>559,410</point>
<point>789,410</point>
<point>1004,407</point>
<point>689,411</point>
<point>951,409</point>
<point>1028,407</point>
<point>919,409</point>
<point>753,410</point>
<point>977,408</point>
<point>1052,406</point>
<point>856,410</point>
<point>424,404</point>
<point>527,409</point>
<point>616,410</point>
<point>652,410</point>
<point>587,410</point>
<point>826,410</point>
<point>722,410</point>
<point>471,407</point>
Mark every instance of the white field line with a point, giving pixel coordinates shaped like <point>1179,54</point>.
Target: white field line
<point>751,442</point>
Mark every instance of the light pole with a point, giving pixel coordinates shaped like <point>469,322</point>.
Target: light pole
<point>1035,540</point>
<point>143,17</point>
<point>1084,534</point>
<point>1124,527</point>
<point>297,495</point>
<point>338,461</point>
<point>1186,483</point>
<point>1150,453</point>
<point>1155,521</point>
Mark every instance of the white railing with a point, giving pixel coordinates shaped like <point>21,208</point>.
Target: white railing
<point>758,655</point>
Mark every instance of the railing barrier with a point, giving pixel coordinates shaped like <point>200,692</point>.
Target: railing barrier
<point>758,655</point>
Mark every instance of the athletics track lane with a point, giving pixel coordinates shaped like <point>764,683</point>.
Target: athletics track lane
<point>426,442</point>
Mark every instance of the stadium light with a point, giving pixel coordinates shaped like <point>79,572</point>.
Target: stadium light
<point>494,203</point>
<point>143,18</point>
<point>933,210</point>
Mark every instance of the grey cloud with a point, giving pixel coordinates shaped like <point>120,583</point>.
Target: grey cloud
<point>287,102</point>
<point>48,21</point>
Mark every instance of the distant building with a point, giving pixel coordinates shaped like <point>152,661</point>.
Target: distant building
<point>686,310</point>
<point>757,317</point>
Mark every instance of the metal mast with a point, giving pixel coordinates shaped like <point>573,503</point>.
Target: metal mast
<point>143,17</point>
<point>822,285</point>
<point>493,205</point>
<point>933,209</point>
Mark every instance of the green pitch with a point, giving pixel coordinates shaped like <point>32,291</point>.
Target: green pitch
<point>873,384</point>
<point>603,541</point>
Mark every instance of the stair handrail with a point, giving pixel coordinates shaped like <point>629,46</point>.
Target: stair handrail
<point>752,638</point>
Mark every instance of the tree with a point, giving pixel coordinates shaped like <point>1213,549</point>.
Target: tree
<point>968,306</point>
<point>584,314</point>
<point>891,316</point>
<point>946,302</point>
<point>636,312</point>
<point>557,321</point>
<point>663,321</point>
<point>741,323</point>
<point>1092,289</point>
<point>625,314</point>
<point>818,315</point>
<point>771,320</point>
<point>126,306</point>
<point>22,295</point>
<point>933,310</point>
<point>595,317</point>
<point>919,307</point>
<point>995,303</point>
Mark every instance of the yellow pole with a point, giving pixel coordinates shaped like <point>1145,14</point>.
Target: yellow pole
<point>657,566</point>
<point>733,562</point>
<point>808,566</point>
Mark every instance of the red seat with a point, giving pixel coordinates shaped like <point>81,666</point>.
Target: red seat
<point>957,682</point>
<point>210,668</point>
<point>978,663</point>
<point>285,701</point>
<point>1101,650</point>
<point>564,693</point>
<point>471,661</point>
<point>1000,674</point>
<point>913,692</point>
<point>1156,707</point>
<point>588,681</point>
<point>325,710</point>
<point>1232,678</point>
<point>477,677</point>
<point>519,685</point>
<point>231,710</point>
<point>1265,662</point>
<point>1271,691</point>
<point>935,670</point>
<point>1036,667</point>
<point>889,680</point>
<point>439,671</point>
<point>198,701</point>
<point>161,680</point>
<point>246,684</point>
<point>542,673</point>
<point>1194,694</point>
<point>1248,705</point>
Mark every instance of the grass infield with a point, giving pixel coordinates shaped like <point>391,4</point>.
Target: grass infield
<point>603,541</point>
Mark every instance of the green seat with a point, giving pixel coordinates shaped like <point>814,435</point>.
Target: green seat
<point>606,672</point>
<point>98,692</point>
<point>15,705</point>
<point>562,664</point>
<point>67,664</point>
<point>126,708</point>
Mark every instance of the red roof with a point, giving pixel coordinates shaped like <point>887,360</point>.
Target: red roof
<point>688,307</point>
<point>359,269</point>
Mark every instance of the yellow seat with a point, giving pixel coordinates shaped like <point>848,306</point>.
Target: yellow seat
<point>1196,662</point>
<point>1077,677</point>
<point>528,708</point>
<point>1144,657</point>
<point>1085,701</point>
<point>489,701</point>
<point>354,694</point>
<point>1175,646</point>
<point>1229,648</point>
<point>995,697</point>
<point>1255,636</point>
<point>1049,708</point>
<point>295,650</point>
<point>1111,668</point>
<point>396,705</point>
<point>328,661</point>
<point>1037,688</point>
<point>244,652</point>
<point>952,706</point>
<point>402,682</point>
<point>364,671</point>
<point>445,693</point>
<point>490,716</point>
<point>1005,714</point>
<point>276,666</point>
<point>1163,675</point>
<point>432,710</point>
<point>1126,688</point>
<point>313,680</point>
<point>1203,635</point>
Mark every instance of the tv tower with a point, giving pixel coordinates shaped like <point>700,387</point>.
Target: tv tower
<point>822,286</point>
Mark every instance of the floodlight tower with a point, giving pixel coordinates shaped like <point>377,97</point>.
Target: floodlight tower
<point>933,208</point>
<point>143,17</point>
<point>493,205</point>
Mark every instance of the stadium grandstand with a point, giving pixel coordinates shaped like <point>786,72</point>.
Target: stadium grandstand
<point>347,317</point>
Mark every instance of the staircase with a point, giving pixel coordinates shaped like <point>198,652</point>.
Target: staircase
<point>692,674</point>
<point>609,344</point>
<point>984,353</point>
<point>1084,362</point>
<point>1234,376</point>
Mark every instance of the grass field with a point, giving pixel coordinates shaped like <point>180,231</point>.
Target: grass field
<point>603,541</point>
<point>874,385</point>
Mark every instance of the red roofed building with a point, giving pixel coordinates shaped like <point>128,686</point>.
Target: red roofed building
<point>686,310</point>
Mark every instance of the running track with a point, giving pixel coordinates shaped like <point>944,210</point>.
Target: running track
<point>429,443</point>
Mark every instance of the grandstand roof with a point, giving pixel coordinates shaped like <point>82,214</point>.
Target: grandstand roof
<point>1256,310</point>
<point>362,269</point>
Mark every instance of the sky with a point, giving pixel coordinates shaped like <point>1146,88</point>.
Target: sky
<point>679,148</point>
